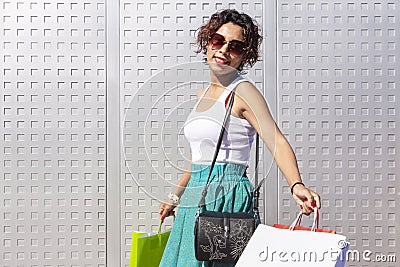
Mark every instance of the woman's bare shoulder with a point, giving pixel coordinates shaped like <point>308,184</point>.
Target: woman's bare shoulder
<point>247,90</point>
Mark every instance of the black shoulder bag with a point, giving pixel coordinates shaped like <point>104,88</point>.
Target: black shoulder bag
<point>222,236</point>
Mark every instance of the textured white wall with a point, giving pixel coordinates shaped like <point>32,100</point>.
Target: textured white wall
<point>337,105</point>
<point>52,145</point>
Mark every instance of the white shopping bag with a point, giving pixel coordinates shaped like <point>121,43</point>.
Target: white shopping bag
<point>295,246</point>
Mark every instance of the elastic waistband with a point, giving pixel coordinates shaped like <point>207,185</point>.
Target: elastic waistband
<point>227,169</point>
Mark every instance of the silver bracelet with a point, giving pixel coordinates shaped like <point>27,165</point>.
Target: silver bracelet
<point>174,198</point>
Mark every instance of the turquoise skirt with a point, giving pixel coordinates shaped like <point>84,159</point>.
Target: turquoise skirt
<point>230,191</point>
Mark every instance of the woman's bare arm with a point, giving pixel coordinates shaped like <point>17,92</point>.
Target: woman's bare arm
<point>251,105</point>
<point>167,206</point>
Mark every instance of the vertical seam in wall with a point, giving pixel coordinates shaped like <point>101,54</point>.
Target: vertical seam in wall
<point>271,187</point>
<point>277,97</point>
<point>113,225</point>
<point>265,80</point>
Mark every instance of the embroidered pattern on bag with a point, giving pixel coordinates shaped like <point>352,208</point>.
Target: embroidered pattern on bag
<point>215,242</point>
<point>217,237</point>
<point>240,237</point>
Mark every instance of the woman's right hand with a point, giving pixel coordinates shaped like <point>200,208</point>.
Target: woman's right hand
<point>166,209</point>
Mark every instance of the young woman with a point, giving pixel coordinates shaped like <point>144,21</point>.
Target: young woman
<point>230,41</point>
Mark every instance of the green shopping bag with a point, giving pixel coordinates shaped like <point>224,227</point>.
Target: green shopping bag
<point>148,248</point>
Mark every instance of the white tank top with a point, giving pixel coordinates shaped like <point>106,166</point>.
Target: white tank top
<point>202,129</point>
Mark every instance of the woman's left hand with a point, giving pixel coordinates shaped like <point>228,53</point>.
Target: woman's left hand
<point>306,198</point>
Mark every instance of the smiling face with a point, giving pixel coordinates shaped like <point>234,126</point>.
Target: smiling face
<point>223,56</point>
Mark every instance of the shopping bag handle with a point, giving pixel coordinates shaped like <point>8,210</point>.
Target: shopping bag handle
<point>159,227</point>
<point>161,223</point>
<point>297,221</point>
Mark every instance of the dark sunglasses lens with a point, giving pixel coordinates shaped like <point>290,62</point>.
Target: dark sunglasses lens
<point>217,41</point>
<point>236,47</point>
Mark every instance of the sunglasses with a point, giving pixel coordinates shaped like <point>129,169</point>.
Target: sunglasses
<point>235,47</point>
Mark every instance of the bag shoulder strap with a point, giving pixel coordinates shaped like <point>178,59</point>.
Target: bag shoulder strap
<point>217,148</point>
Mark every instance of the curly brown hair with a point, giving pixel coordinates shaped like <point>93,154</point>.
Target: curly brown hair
<point>250,33</point>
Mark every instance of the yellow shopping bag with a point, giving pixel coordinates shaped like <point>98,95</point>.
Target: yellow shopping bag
<point>148,248</point>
